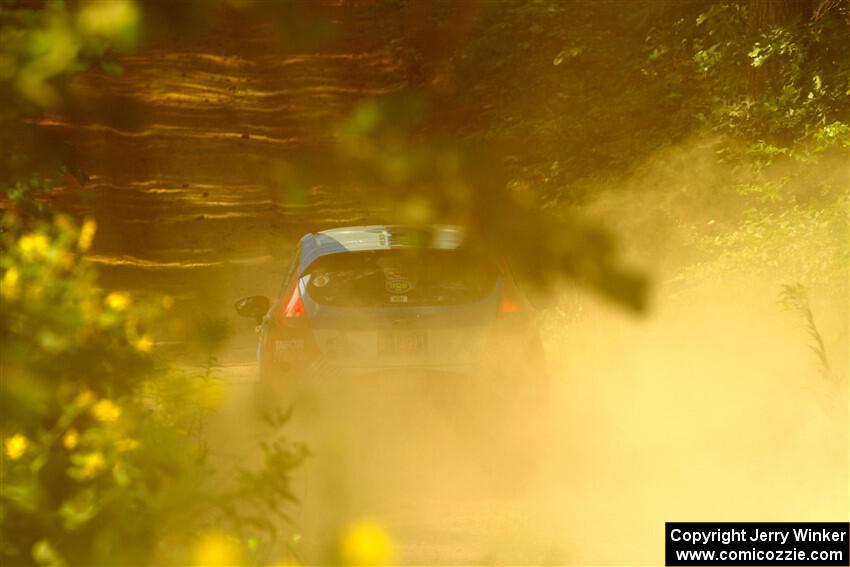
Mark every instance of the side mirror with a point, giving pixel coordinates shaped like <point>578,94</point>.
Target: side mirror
<point>254,306</point>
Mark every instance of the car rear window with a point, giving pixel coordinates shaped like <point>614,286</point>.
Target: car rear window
<point>401,278</point>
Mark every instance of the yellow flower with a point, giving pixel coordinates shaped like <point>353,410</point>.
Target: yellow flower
<point>87,233</point>
<point>118,301</point>
<point>16,446</point>
<point>218,549</point>
<point>33,246</point>
<point>71,439</point>
<point>10,287</point>
<point>143,344</point>
<point>106,411</point>
<point>366,542</point>
<point>92,464</point>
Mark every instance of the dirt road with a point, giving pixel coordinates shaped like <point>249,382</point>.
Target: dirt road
<point>398,450</point>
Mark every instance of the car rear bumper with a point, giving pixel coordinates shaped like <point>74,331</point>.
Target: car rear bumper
<point>468,351</point>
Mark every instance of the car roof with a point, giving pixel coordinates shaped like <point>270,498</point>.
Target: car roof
<point>375,237</point>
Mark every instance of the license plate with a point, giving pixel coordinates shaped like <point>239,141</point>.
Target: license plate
<point>402,342</point>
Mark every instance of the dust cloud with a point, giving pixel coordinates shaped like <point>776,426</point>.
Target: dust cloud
<point>707,411</point>
<point>697,413</point>
<point>712,407</point>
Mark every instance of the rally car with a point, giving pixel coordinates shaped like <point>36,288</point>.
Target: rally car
<point>383,298</point>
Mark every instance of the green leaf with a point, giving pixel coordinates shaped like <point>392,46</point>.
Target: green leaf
<point>45,554</point>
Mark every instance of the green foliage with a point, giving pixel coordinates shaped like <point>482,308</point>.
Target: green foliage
<point>31,199</point>
<point>103,461</point>
<point>783,88</point>
<point>596,88</point>
<point>804,243</point>
<point>42,46</point>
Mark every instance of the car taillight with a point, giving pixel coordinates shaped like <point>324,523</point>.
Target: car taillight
<point>508,306</point>
<point>508,303</point>
<point>290,343</point>
<point>292,308</point>
<point>295,307</point>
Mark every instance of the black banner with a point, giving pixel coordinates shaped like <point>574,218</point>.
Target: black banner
<point>757,543</point>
